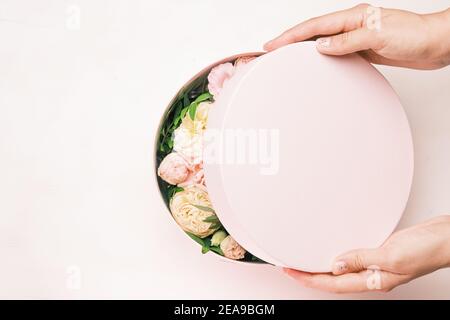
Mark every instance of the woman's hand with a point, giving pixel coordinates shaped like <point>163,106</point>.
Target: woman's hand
<point>406,255</point>
<point>383,36</point>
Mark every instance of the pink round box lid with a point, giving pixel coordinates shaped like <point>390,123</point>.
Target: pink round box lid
<point>308,156</point>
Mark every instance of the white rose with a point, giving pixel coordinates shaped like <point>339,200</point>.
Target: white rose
<point>188,137</point>
<point>231,249</point>
<point>187,215</point>
<point>189,144</point>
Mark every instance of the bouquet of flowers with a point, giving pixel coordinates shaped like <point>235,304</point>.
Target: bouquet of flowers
<point>180,164</point>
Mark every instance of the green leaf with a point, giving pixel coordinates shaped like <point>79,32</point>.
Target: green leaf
<point>216,250</point>
<point>215,223</point>
<point>193,110</point>
<point>256,259</point>
<point>212,219</point>
<point>183,112</point>
<point>186,101</point>
<point>196,239</point>
<point>170,143</point>
<point>203,97</point>
<point>178,108</point>
<point>206,245</point>
<point>176,121</point>
<point>215,226</point>
<point>203,208</point>
<point>172,190</point>
<point>193,107</point>
<point>205,249</point>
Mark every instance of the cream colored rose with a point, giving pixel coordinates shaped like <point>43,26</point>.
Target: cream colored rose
<point>197,125</point>
<point>231,249</point>
<point>201,115</point>
<point>187,215</point>
<point>193,127</point>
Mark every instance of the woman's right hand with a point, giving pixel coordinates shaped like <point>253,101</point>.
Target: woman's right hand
<point>406,255</point>
<point>383,36</point>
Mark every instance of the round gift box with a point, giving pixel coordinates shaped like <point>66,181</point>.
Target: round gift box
<point>307,156</point>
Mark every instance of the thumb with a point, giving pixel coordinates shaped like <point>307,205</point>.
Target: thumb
<point>358,260</point>
<point>347,42</point>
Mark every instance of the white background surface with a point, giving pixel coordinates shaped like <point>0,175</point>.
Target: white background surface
<point>78,114</point>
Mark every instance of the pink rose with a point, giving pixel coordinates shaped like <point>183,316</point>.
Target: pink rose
<point>196,176</point>
<point>218,76</point>
<point>231,249</point>
<point>174,169</point>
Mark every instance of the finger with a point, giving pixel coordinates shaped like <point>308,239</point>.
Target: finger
<point>331,23</point>
<point>368,280</point>
<point>347,42</point>
<point>359,260</point>
<point>352,282</point>
<point>374,58</point>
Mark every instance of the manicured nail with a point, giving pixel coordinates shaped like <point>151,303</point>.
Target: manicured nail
<point>340,266</point>
<point>324,42</point>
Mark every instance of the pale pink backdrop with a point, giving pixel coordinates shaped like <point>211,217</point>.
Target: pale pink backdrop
<point>80,99</point>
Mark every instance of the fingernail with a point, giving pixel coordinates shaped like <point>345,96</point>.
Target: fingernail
<point>324,42</point>
<point>340,267</point>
